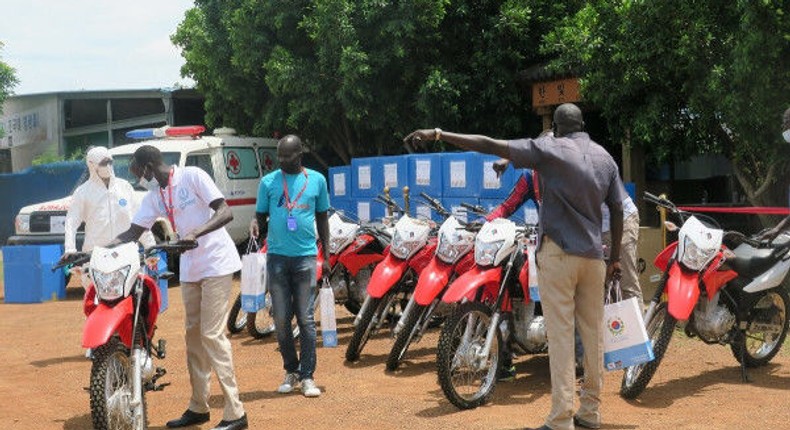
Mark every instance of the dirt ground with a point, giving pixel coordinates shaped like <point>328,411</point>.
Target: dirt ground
<point>45,371</point>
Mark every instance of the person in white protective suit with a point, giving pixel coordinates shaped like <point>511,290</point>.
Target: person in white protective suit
<point>105,203</point>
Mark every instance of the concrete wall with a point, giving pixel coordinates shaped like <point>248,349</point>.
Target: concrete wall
<point>31,127</point>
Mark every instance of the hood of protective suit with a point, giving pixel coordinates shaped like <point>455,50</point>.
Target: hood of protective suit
<point>93,158</point>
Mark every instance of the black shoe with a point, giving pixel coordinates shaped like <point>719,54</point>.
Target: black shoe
<point>189,419</point>
<point>239,424</point>
<point>506,374</point>
<point>543,427</point>
<point>578,422</point>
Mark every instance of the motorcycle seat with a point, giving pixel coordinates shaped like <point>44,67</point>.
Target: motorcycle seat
<point>751,262</point>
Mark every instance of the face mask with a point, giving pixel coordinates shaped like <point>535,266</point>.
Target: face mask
<point>786,135</point>
<point>149,184</point>
<point>104,172</point>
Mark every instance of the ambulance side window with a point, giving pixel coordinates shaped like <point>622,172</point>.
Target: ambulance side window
<point>268,157</point>
<point>240,163</point>
<point>201,160</point>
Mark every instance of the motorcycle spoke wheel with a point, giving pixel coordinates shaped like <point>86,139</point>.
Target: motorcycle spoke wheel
<point>237,319</point>
<point>111,390</point>
<point>261,323</point>
<point>364,329</point>
<point>766,330</point>
<point>467,380</point>
<point>406,336</point>
<point>659,329</point>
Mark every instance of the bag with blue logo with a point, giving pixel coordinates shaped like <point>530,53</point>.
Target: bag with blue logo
<point>624,337</point>
<point>253,279</point>
<point>328,319</point>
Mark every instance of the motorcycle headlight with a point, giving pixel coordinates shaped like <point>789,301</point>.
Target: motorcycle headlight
<point>403,248</point>
<point>109,286</point>
<point>450,250</point>
<point>485,253</point>
<point>694,257</point>
<point>22,224</point>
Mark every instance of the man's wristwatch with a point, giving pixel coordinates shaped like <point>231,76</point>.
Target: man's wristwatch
<point>437,133</point>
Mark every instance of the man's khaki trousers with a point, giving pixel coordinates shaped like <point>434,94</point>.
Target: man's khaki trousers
<point>571,288</point>
<point>205,310</point>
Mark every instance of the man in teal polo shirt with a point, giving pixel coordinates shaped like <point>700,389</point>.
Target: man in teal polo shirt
<point>292,205</point>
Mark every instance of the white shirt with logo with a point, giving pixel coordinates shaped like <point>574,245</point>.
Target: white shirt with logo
<point>106,210</point>
<point>193,190</point>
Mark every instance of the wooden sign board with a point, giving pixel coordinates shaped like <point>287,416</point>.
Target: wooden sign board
<point>555,92</point>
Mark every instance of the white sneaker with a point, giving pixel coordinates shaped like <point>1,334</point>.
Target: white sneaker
<point>309,389</point>
<point>289,383</point>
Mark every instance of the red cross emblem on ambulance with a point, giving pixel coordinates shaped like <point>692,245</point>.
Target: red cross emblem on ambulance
<point>234,164</point>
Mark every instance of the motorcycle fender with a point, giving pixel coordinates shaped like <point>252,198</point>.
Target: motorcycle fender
<point>467,284</point>
<point>432,281</point>
<point>354,262</point>
<point>386,275</point>
<point>662,259</point>
<point>682,292</point>
<point>103,322</point>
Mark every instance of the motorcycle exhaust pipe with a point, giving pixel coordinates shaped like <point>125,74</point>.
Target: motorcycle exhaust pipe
<point>404,315</point>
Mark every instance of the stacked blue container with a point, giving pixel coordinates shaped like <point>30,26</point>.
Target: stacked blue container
<point>27,274</point>
<point>340,188</point>
<point>394,173</point>
<point>424,176</point>
<point>462,178</point>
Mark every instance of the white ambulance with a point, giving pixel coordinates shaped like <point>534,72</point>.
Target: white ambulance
<point>235,163</point>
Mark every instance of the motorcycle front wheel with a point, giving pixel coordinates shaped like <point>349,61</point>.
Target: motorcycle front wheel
<point>237,319</point>
<point>467,380</point>
<point>406,336</point>
<point>364,329</point>
<point>659,329</point>
<point>766,331</point>
<point>111,389</point>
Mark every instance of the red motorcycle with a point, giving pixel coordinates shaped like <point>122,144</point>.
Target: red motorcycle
<point>725,286</point>
<point>453,258</point>
<point>394,278</point>
<point>122,305</point>
<point>495,313</point>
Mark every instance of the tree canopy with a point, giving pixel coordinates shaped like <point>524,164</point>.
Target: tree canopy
<point>7,82</point>
<point>684,78</point>
<point>354,76</point>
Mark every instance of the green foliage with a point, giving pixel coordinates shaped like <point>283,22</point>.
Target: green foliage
<point>355,76</point>
<point>686,78</point>
<point>51,156</point>
<point>8,81</point>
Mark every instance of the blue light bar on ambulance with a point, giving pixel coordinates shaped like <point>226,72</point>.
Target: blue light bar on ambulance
<point>166,131</point>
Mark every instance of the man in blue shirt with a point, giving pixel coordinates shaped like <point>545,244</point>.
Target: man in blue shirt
<point>292,205</point>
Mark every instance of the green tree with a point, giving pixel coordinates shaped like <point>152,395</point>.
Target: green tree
<point>684,78</point>
<point>354,76</point>
<point>7,82</point>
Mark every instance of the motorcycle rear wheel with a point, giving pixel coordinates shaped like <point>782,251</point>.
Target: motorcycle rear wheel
<point>111,389</point>
<point>364,329</point>
<point>659,329</point>
<point>464,385</point>
<point>760,344</point>
<point>406,335</point>
<point>237,319</point>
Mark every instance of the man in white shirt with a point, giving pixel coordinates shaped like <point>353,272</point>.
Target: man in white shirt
<point>197,211</point>
<point>104,203</point>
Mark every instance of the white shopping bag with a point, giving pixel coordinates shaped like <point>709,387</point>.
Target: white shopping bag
<point>624,337</point>
<point>328,319</point>
<point>534,291</point>
<point>253,279</point>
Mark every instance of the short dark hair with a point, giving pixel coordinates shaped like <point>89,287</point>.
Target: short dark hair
<point>147,154</point>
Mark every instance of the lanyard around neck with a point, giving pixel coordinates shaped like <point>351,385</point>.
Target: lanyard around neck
<point>169,209</point>
<point>292,204</point>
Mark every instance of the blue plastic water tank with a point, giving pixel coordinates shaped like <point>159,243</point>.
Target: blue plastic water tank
<point>339,182</point>
<point>425,174</point>
<point>27,274</point>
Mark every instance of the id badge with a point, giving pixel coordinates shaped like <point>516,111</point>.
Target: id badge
<point>291,223</point>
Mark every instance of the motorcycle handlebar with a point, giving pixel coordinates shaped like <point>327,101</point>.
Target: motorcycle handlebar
<point>479,210</point>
